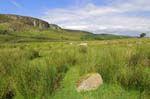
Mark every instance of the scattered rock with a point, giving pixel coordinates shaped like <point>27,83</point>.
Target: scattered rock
<point>83,44</point>
<point>130,45</point>
<point>71,43</point>
<point>89,82</point>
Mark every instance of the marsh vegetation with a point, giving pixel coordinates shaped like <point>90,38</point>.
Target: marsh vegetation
<point>50,70</point>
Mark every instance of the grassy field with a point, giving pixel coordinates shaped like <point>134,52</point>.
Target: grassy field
<point>49,70</point>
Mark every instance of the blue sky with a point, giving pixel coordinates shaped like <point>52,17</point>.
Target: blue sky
<point>124,17</point>
<point>35,7</point>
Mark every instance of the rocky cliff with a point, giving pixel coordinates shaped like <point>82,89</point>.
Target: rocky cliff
<point>28,21</point>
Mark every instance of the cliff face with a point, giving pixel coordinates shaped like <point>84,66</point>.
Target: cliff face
<point>55,27</point>
<point>29,21</point>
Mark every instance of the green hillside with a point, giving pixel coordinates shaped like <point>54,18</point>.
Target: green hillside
<point>14,28</point>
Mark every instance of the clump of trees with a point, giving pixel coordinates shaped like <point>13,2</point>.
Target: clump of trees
<point>142,35</point>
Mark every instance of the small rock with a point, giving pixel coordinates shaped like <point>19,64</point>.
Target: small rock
<point>71,43</point>
<point>89,82</point>
<point>82,44</point>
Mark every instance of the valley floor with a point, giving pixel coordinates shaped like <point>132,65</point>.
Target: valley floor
<point>50,70</point>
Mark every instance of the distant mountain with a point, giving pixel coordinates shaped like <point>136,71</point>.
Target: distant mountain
<point>16,28</point>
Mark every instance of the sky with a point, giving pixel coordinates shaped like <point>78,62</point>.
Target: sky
<point>121,17</point>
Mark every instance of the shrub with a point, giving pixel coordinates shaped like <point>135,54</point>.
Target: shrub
<point>4,32</point>
<point>31,53</point>
<point>83,49</point>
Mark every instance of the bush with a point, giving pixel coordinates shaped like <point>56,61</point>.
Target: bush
<point>4,32</point>
<point>83,49</point>
<point>34,54</point>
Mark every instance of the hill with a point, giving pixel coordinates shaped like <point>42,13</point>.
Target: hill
<point>16,28</point>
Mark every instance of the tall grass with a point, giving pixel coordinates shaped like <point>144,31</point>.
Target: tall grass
<point>25,75</point>
<point>35,70</point>
<point>126,66</point>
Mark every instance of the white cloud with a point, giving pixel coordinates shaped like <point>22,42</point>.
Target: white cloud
<point>16,4</point>
<point>114,18</point>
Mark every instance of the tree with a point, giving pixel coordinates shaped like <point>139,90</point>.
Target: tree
<point>142,35</point>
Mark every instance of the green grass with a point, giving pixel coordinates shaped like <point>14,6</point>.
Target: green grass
<point>50,70</point>
<point>107,91</point>
<point>33,34</point>
<point>14,28</point>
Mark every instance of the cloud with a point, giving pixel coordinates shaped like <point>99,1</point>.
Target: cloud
<point>16,4</point>
<point>118,17</point>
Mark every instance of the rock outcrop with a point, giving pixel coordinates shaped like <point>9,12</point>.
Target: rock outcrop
<point>89,82</point>
<point>30,21</point>
<point>54,26</point>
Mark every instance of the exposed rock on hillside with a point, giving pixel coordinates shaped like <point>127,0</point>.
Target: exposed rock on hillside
<point>27,21</point>
<point>89,82</point>
<point>54,26</point>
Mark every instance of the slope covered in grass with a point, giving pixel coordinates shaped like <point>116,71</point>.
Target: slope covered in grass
<point>15,28</point>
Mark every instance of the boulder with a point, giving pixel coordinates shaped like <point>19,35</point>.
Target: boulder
<point>89,82</point>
